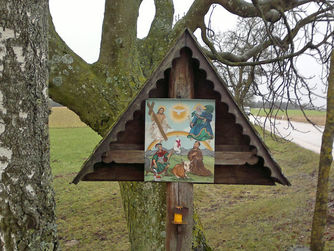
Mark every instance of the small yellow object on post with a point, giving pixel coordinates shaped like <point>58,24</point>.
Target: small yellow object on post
<point>177,218</point>
<point>179,214</point>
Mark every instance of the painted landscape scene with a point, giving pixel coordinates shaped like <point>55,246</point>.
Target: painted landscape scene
<point>179,140</point>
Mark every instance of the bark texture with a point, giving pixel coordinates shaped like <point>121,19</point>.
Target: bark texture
<point>325,162</point>
<point>27,218</point>
<point>145,211</point>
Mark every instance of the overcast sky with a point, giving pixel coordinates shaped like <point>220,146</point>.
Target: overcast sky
<point>79,23</point>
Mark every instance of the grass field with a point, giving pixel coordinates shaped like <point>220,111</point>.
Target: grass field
<point>90,214</point>
<point>317,117</point>
<point>62,117</point>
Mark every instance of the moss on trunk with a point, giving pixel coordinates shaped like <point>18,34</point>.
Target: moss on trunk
<point>326,158</point>
<point>145,210</point>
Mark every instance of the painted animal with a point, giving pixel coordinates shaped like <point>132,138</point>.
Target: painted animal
<point>181,170</point>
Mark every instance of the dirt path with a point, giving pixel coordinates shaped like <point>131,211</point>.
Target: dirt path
<point>302,134</point>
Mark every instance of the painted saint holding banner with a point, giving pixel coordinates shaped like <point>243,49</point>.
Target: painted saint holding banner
<point>160,162</point>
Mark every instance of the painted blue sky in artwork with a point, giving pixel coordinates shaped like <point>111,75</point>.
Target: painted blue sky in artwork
<point>177,124</point>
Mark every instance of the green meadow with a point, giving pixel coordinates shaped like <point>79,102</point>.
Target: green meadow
<point>90,214</point>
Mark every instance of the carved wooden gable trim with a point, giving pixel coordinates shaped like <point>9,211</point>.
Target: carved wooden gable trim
<point>208,81</point>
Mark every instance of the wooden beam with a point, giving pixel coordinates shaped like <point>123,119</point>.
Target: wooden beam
<point>232,148</point>
<point>235,158</point>
<point>233,175</point>
<point>124,156</point>
<point>221,158</point>
<point>243,175</point>
<point>118,146</point>
<point>116,172</point>
<point>179,237</point>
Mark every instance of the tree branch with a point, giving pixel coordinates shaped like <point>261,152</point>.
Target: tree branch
<point>326,159</point>
<point>153,48</point>
<point>72,80</point>
<point>193,19</point>
<point>234,60</point>
<point>119,32</point>
<point>163,19</point>
<point>269,8</point>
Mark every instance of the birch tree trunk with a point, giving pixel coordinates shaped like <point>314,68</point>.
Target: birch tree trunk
<point>326,158</point>
<point>27,218</point>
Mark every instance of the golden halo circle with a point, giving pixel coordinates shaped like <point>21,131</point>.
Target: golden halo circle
<point>179,112</point>
<point>199,105</point>
<point>163,107</point>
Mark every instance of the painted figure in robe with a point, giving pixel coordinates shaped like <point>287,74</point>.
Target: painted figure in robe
<point>200,125</point>
<point>154,129</point>
<point>160,161</point>
<point>196,161</point>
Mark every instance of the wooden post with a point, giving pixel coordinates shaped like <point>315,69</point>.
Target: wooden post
<point>179,237</point>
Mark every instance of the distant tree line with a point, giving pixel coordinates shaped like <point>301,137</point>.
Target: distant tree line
<point>280,105</point>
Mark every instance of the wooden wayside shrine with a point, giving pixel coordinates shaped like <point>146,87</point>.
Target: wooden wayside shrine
<point>241,157</point>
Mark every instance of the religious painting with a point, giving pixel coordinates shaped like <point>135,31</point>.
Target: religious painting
<point>179,140</point>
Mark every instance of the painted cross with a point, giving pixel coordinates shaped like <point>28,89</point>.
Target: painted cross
<point>156,120</point>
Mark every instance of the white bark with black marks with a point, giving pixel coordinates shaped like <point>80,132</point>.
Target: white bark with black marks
<point>27,217</point>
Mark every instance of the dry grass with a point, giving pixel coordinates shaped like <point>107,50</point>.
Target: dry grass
<point>91,217</point>
<point>318,120</point>
<point>317,117</point>
<point>62,117</point>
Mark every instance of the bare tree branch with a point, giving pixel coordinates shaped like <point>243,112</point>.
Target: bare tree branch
<point>234,60</point>
<point>193,19</point>
<point>270,9</point>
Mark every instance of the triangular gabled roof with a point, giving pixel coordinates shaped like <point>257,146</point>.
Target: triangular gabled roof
<point>189,41</point>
